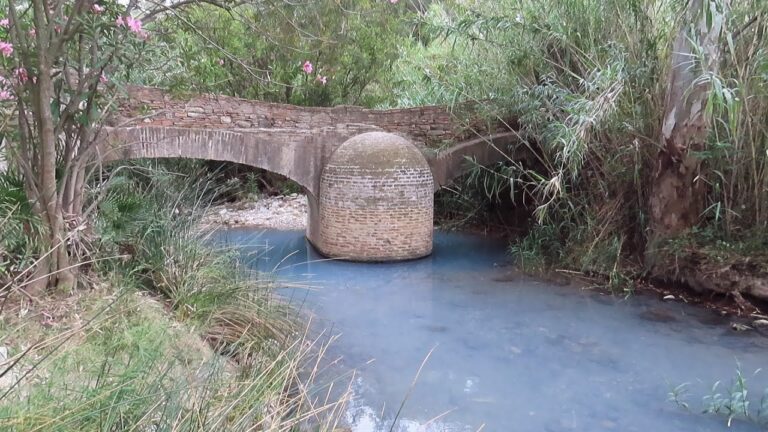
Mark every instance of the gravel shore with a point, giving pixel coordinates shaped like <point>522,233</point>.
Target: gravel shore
<point>279,212</point>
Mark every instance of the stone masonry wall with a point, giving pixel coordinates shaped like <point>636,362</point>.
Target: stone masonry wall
<point>370,198</point>
<point>157,107</point>
<point>376,201</point>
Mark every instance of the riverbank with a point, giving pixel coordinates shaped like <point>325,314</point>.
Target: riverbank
<point>283,212</point>
<point>160,320</point>
<point>289,212</point>
<point>725,310</point>
<point>108,358</point>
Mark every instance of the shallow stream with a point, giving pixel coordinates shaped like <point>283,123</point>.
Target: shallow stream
<point>509,354</point>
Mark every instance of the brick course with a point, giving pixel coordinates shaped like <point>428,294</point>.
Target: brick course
<point>152,107</point>
<point>376,201</point>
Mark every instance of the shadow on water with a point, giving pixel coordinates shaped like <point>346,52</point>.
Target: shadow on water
<point>512,355</point>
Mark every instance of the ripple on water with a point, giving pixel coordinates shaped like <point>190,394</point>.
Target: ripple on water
<point>509,353</point>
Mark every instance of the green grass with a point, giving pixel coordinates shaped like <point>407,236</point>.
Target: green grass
<point>134,367</point>
<point>169,333</point>
<point>733,402</point>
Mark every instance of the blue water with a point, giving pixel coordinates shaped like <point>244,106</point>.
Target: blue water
<point>515,355</point>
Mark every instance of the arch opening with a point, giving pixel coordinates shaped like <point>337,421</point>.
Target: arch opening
<point>294,156</point>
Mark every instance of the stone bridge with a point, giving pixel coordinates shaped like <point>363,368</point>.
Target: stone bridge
<point>369,175</point>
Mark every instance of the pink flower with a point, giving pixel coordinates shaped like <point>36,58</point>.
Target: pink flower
<point>103,78</point>
<point>307,67</point>
<point>6,48</point>
<point>5,95</point>
<point>97,9</point>
<point>393,1</point>
<point>4,23</point>
<point>221,62</point>
<point>322,78</point>
<point>133,24</point>
<point>32,32</point>
<point>21,75</point>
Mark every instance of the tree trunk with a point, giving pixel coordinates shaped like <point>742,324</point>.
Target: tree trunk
<point>678,194</point>
<point>57,263</point>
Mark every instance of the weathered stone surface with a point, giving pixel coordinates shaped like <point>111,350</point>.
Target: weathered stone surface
<point>376,201</point>
<point>375,193</point>
<point>221,112</point>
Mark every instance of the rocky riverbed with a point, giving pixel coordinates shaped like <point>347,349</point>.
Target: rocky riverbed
<point>279,212</point>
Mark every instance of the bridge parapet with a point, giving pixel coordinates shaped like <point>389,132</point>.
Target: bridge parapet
<point>152,107</point>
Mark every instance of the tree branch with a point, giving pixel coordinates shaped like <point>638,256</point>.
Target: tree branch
<point>152,14</point>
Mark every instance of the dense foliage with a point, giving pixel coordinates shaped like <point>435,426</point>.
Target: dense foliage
<point>589,95</point>
<point>586,82</point>
<point>260,51</point>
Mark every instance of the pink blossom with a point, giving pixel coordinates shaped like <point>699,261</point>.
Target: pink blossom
<point>5,95</point>
<point>221,62</point>
<point>307,67</point>
<point>322,79</point>
<point>4,23</point>
<point>32,32</point>
<point>97,9</point>
<point>6,48</point>
<point>21,75</point>
<point>103,78</point>
<point>393,1</point>
<point>133,24</point>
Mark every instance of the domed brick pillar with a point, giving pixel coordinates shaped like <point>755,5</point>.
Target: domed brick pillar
<point>376,201</point>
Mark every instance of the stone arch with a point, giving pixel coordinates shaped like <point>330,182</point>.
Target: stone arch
<point>452,162</point>
<point>281,153</point>
<point>388,179</point>
<point>285,154</point>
